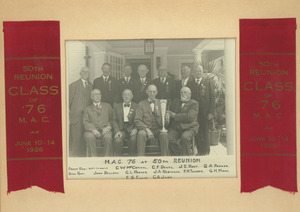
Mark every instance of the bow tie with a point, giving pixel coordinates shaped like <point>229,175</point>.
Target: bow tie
<point>151,101</point>
<point>126,105</point>
<point>98,106</point>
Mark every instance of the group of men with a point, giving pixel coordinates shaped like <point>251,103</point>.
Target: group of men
<point>113,111</point>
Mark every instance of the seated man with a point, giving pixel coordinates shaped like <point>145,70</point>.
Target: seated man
<point>123,125</point>
<point>183,124</point>
<point>97,120</point>
<point>149,123</point>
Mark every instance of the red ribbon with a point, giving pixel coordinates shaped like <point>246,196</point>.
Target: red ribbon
<point>33,105</point>
<point>268,104</point>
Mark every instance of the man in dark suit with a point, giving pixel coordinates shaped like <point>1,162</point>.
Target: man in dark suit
<point>203,92</point>
<point>79,98</point>
<point>123,124</point>
<point>165,84</point>
<point>148,121</point>
<point>185,79</point>
<point>141,84</point>
<point>183,124</point>
<point>97,120</point>
<point>124,83</point>
<point>106,84</point>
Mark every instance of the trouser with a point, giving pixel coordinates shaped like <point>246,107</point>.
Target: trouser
<point>180,141</point>
<point>118,144</point>
<point>142,138</point>
<point>106,140</point>
<point>202,139</point>
<point>76,143</point>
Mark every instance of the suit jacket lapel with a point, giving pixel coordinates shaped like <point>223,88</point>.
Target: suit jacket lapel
<point>149,107</point>
<point>130,81</point>
<point>185,105</point>
<point>121,108</point>
<point>94,108</point>
<point>81,87</point>
<point>157,111</point>
<point>131,109</point>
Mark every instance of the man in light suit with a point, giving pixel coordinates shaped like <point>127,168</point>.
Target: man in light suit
<point>124,83</point>
<point>106,84</point>
<point>97,119</point>
<point>79,98</point>
<point>141,84</point>
<point>183,124</point>
<point>203,92</point>
<point>148,121</point>
<point>185,79</point>
<point>165,84</point>
<point>123,124</point>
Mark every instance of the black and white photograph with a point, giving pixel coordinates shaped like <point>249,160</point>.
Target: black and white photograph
<point>151,108</point>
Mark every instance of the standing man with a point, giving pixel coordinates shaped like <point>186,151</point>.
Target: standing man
<point>148,121</point>
<point>123,124</point>
<point>183,124</point>
<point>79,98</point>
<point>97,119</point>
<point>165,84</point>
<point>106,84</point>
<point>203,92</point>
<point>185,79</point>
<point>124,83</point>
<point>141,84</point>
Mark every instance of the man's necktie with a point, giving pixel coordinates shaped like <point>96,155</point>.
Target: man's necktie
<point>182,104</point>
<point>198,82</point>
<point>126,105</point>
<point>85,84</point>
<point>99,106</point>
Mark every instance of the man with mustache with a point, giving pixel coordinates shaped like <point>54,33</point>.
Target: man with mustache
<point>107,85</point>
<point>97,122</point>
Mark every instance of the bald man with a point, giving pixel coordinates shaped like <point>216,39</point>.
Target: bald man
<point>140,84</point>
<point>148,121</point>
<point>123,124</point>
<point>183,123</point>
<point>79,98</point>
